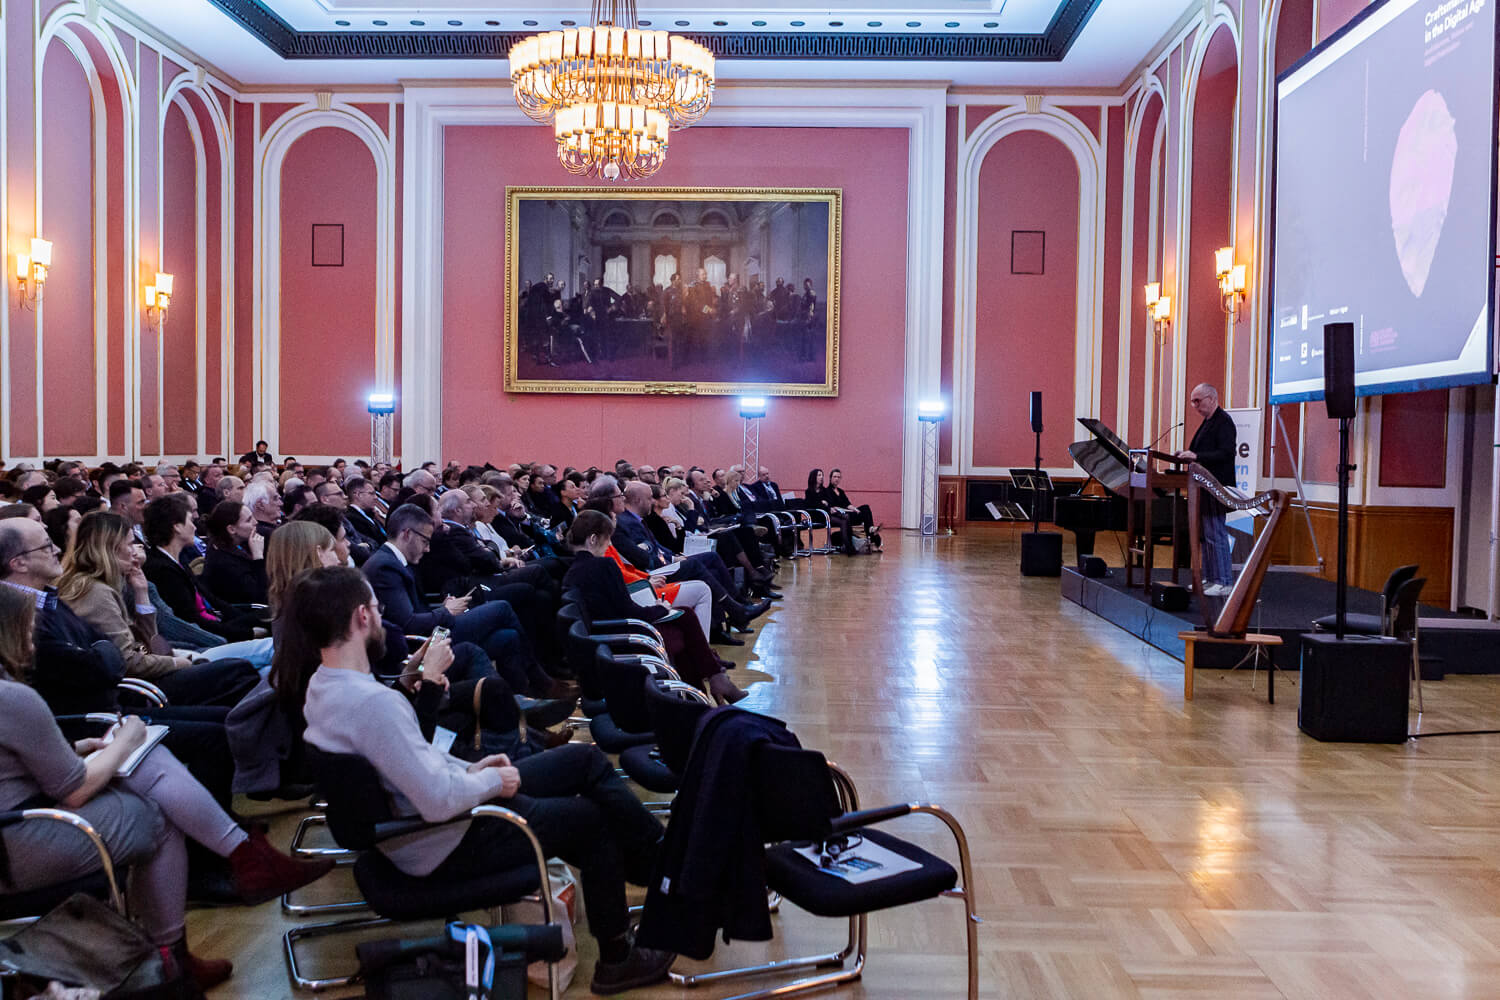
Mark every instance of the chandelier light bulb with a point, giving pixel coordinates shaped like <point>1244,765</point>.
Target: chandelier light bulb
<point>612,91</point>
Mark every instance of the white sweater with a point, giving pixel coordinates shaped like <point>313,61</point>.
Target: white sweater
<point>351,712</point>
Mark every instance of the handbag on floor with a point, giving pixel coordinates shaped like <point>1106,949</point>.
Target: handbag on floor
<point>466,960</point>
<point>83,942</point>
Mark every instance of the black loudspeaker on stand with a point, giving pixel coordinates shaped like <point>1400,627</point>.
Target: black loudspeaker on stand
<point>1041,551</point>
<point>1353,687</point>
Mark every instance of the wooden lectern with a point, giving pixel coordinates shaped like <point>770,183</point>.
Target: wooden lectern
<point>1150,482</point>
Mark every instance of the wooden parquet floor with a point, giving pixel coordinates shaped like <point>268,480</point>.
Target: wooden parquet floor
<point>1126,843</point>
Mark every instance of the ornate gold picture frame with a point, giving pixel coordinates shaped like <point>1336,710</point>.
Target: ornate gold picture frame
<point>678,291</point>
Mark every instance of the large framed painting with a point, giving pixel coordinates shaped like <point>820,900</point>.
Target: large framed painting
<point>673,290</point>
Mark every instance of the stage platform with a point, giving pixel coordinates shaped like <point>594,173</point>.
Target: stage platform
<point>1451,643</point>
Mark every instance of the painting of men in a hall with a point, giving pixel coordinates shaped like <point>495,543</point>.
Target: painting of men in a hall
<point>730,289</point>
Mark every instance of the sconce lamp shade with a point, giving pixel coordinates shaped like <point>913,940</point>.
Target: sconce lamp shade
<point>1153,293</point>
<point>41,252</point>
<point>1223,261</point>
<point>1161,310</point>
<point>163,284</point>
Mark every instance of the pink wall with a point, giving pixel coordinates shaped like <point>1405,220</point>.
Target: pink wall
<point>1143,269</point>
<point>68,220</point>
<point>327,313</point>
<point>481,422</point>
<point>20,414</point>
<point>1025,324</point>
<point>179,334</point>
<point>246,432</point>
<point>950,198</point>
<point>1114,214</point>
<point>1414,439</point>
<point>1209,212</point>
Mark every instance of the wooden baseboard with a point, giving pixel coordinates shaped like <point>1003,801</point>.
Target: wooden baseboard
<point>1380,539</point>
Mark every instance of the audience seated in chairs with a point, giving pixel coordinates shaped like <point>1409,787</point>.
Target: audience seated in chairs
<point>169,532</point>
<point>493,627</point>
<point>597,577</point>
<point>234,568</point>
<point>833,498</point>
<point>103,564</point>
<point>571,798</point>
<point>144,818</point>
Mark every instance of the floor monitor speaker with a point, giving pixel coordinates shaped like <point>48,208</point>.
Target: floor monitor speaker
<point>1354,690</point>
<point>1041,553</point>
<point>1169,597</point>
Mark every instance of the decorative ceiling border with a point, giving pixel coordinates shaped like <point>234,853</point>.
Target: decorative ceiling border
<point>1049,46</point>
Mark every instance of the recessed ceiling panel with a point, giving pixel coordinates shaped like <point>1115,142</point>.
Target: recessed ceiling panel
<point>1023,16</point>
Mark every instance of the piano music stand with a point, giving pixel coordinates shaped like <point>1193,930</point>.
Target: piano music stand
<point>1035,482</point>
<point>1148,485</point>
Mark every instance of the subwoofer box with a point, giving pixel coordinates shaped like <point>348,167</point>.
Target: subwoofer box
<point>1354,690</point>
<point>1041,553</point>
<point>1169,597</point>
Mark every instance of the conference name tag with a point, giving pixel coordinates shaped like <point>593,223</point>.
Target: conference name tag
<point>442,739</point>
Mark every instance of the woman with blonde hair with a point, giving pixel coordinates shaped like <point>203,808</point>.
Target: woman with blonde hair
<point>143,817</point>
<point>106,559</point>
<point>294,548</point>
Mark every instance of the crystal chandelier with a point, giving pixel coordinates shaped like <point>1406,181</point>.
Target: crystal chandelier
<point>612,91</point>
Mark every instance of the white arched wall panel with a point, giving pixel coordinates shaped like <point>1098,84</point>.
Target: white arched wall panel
<point>271,147</point>
<point>182,92</point>
<point>64,24</point>
<point>1151,89</point>
<point>1088,154</point>
<point>1222,17</point>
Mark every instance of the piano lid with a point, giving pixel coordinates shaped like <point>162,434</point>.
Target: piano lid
<point>1104,455</point>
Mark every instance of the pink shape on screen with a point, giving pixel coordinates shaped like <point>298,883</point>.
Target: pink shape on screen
<point>1421,185</point>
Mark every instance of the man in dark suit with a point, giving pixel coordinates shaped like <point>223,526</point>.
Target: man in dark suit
<point>1213,448</point>
<point>331,495</point>
<point>361,512</point>
<point>458,562</point>
<point>634,541</point>
<point>493,627</point>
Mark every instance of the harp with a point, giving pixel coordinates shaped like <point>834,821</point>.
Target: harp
<point>1233,618</point>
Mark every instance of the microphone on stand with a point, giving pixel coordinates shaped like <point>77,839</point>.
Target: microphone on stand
<point>1164,433</point>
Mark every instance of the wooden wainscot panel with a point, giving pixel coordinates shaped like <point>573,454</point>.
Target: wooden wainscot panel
<point>1380,539</point>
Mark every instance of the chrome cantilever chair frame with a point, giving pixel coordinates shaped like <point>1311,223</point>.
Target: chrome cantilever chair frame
<point>83,826</point>
<point>290,939</point>
<point>858,924</point>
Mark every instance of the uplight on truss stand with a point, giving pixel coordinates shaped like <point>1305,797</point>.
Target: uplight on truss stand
<point>931,413</point>
<point>752,409</point>
<point>382,409</point>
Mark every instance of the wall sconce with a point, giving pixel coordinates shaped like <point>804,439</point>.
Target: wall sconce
<point>1158,308</point>
<point>31,271</point>
<point>159,297</point>
<point>1231,281</point>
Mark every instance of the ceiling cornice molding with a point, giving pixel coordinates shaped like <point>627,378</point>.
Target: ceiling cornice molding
<point>1050,46</point>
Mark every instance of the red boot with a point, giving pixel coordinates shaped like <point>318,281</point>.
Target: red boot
<point>261,872</point>
<point>206,973</point>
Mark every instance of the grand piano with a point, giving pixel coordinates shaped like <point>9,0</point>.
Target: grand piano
<point>1106,458</point>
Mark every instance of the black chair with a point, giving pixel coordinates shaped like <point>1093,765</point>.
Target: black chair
<point>1404,626</point>
<point>359,819</point>
<point>675,709</point>
<point>1362,624</point>
<point>103,884</point>
<point>804,800</point>
<point>626,684</point>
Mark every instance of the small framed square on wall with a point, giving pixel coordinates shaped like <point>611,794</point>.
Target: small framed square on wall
<point>328,244</point>
<point>1028,251</point>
